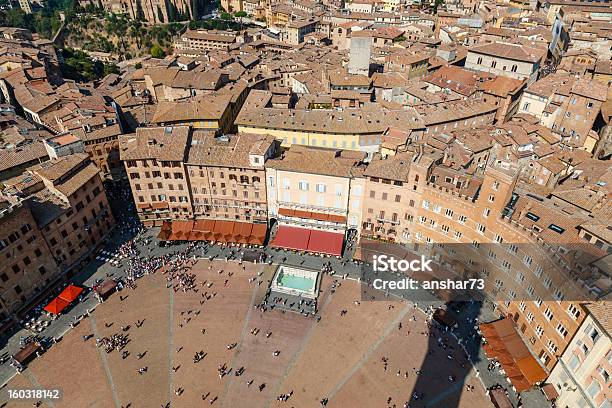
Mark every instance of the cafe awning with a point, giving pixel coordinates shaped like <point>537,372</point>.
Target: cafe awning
<point>159,205</point>
<point>291,238</point>
<point>166,230</point>
<point>520,365</point>
<point>201,230</point>
<point>286,212</point>
<point>303,239</point>
<point>181,230</point>
<point>243,229</point>
<point>224,228</point>
<point>56,306</point>
<point>258,234</point>
<point>312,215</point>
<point>215,230</point>
<point>70,293</point>
<point>324,242</point>
<point>204,225</point>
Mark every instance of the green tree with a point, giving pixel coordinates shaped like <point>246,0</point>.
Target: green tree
<point>157,51</point>
<point>78,66</point>
<point>14,18</point>
<point>226,16</point>
<point>240,15</point>
<point>110,68</point>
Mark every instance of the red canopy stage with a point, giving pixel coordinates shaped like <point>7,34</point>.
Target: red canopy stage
<point>56,306</point>
<point>70,293</point>
<point>302,239</point>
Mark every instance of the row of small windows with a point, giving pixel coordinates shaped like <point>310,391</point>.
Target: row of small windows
<point>14,236</point>
<point>514,67</point>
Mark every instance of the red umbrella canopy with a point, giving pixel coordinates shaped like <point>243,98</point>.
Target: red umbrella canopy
<point>56,306</point>
<point>70,293</point>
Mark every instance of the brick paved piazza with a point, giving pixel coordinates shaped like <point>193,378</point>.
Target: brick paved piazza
<point>338,357</point>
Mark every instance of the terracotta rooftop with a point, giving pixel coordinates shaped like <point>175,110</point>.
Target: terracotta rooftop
<point>56,169</point>
<point>502,86</point>
<point>510,51</point>
<point>226,150</point>
<point>555,223</point>
<point>212,35</point>
<point>343,78</point>
<point>22,155</point>
<point>303,159</point>
<point>601,313</point>
<point>63,140</point>
<point>100,133</point>
<point>394,167</point>
<point>457,79</point>
<point>339,122</point>
<point>453,111</point>
<point>211,107</point>
<point>160,143</point>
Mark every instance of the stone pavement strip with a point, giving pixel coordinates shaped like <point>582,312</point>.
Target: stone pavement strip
<point>170,345</point>
<point>243,334</point>
<point>368,353</point>
<point>302,347</point>
<point>32,379</point>
<point>102,353</point>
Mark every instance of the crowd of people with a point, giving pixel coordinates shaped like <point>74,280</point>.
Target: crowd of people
<point>177,270</point>
<point>116,341</point>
